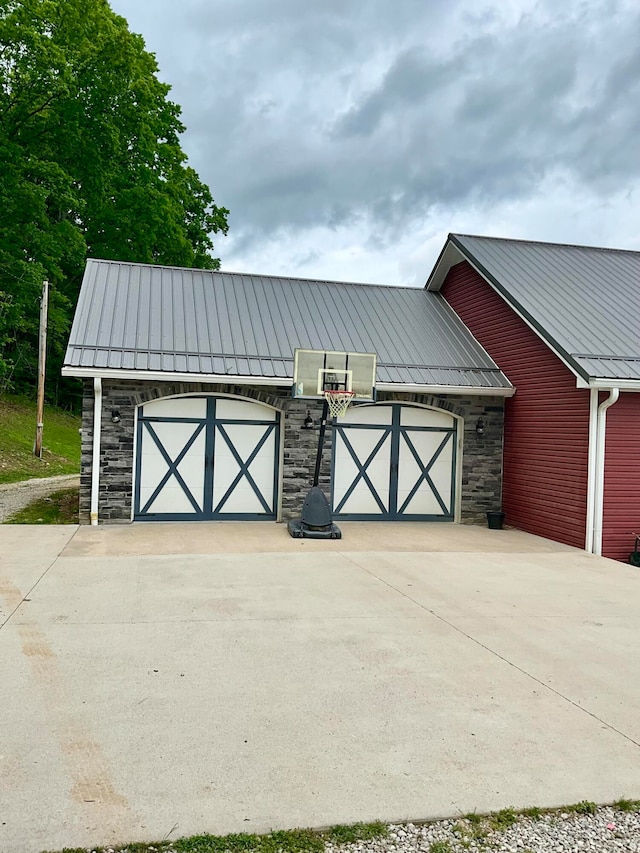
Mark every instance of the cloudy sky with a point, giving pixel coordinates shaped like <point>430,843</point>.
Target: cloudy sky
<point>348,137</point>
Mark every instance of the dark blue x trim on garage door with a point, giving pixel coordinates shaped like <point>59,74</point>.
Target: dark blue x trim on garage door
<point>215,429</point>
<point>362,469</point>
<point>400,436</point>
<point>172,464</point>
<point>243,466</point>
<point>424,470</point>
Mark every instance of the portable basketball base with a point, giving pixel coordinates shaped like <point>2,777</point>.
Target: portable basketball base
<point>339,378</point>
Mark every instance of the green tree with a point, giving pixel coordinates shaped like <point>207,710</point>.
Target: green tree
<point>90,163</point>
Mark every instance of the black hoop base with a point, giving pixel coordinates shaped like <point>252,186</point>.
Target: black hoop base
<point>315,521</point>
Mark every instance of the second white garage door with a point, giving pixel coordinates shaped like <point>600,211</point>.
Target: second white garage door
<point>394,463</point>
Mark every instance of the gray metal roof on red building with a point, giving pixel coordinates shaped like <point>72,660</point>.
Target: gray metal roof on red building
<point>584,301</point>
<point>172,320</point>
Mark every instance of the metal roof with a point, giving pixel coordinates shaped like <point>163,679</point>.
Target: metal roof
<point>584,301</point>
<point>165,319</point>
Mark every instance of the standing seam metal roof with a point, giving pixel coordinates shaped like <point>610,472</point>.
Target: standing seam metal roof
<point>584,300</point>
<point>144,317</point>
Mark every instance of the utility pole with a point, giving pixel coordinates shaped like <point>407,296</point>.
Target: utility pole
<point>42,358</point>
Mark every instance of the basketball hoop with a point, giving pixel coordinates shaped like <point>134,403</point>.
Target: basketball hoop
<point>339,402</point>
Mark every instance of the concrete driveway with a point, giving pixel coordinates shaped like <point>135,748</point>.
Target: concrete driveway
<point>163,680</point>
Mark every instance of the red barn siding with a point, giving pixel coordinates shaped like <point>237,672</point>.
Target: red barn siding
<point>622,477</point>
<point>546,423</point>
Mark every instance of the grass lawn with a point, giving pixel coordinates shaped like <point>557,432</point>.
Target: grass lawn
<point>287,841</point>
<point>61,441</point>
<point>59,508</point>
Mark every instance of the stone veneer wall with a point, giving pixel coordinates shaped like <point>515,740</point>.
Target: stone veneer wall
<point>481,465</point>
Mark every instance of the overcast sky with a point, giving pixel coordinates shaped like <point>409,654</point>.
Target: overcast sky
<point>348,137</point>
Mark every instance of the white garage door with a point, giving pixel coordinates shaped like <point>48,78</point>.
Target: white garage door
<point>206,458</point>
<point>394,462</point>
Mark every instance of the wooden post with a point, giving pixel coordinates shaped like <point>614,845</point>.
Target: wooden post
<point>42,358</point>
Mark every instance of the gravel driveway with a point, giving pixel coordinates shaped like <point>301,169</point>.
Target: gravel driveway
<point>15,496</point>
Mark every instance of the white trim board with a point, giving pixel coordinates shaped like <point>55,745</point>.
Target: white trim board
<point>607,384</point>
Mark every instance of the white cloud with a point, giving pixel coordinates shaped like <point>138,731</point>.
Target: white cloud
<point>348,138</point>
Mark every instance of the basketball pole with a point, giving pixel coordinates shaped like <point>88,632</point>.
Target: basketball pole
<point>323,429</point>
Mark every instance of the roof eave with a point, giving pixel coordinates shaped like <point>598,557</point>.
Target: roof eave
<point>606,382</point>
<point>477,390</point>
<point>277,381</point>
<point>173,376</point>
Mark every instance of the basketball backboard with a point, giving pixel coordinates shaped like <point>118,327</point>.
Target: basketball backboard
<point>317,371</point>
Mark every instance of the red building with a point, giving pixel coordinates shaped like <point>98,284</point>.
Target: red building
<point>563,324</point>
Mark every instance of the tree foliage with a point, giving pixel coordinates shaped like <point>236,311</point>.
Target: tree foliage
<point>90,164</point>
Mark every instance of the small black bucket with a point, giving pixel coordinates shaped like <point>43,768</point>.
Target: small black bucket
<point>495,520</point>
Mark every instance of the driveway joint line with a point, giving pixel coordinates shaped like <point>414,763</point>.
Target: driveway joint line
<point>46,571</point>
<point>497,654</point>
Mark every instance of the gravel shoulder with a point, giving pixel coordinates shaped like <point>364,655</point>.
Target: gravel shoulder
<point>15,496</point>
<point>608,829</point>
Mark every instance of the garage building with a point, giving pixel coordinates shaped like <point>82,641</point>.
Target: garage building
<point>188,412</point>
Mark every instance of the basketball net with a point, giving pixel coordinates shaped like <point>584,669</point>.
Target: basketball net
<point>339,402</point>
